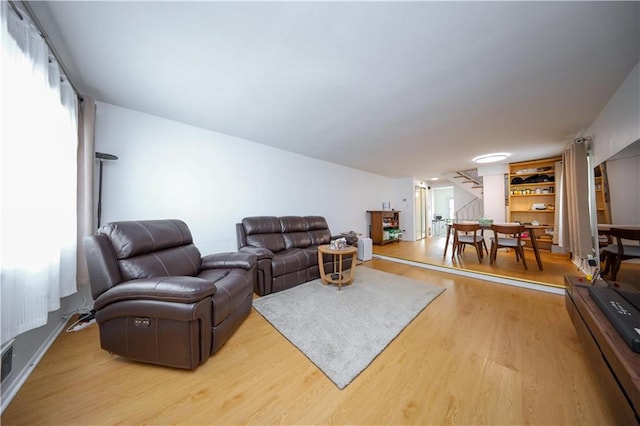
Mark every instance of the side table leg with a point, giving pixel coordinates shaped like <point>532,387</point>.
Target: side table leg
<point>340,273</point>
<point>323,275</point>
<point>352,271</point>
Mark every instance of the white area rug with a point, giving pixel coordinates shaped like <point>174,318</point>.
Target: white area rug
<point>342,332</point>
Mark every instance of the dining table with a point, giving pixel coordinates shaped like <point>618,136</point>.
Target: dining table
<point>604,230</point>
<point>605,227</point>
<point>531,229</point>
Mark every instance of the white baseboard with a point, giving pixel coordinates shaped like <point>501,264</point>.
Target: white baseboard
<point>23,375</point>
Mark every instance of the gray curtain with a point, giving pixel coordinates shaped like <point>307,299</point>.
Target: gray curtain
<point>86,161</point>
<point>576,227</point>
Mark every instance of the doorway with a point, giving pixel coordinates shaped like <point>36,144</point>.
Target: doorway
<point>420,216</point>
<point>443,209</point>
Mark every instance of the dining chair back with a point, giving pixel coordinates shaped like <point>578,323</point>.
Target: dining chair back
<point>627,246</point>
<point>467,234</point>
<point>508,236</point>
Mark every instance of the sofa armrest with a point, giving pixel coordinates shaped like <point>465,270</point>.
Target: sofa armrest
<point>182,289</point>
<point>229,260</point>
<point>261,252</point>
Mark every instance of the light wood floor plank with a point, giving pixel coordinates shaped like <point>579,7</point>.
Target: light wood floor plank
<point>430,251</point>
<point>556,265</point>
<point>481,353</point>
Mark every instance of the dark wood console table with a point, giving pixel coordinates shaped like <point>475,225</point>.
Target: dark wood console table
<point>616,366</point>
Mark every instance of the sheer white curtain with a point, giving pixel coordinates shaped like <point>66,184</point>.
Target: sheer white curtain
<point>37,182</point>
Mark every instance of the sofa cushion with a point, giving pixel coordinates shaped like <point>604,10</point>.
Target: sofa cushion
<point>272,242</point>
<point>320,236</point>
<point>315,222</point>
<point>293,224</point>
<point>264,231</point>
<point>312,256</point>
<point>318,230</point>
<point>297,239</point>
<point>261,225</point>
<point>288,261</point>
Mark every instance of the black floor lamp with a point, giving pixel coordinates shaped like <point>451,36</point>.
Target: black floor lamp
<point>102,156</point>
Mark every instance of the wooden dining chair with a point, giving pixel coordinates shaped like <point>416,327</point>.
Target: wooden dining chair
<point>467,234</point>
<point>614,254</point>
<point>509,236</point>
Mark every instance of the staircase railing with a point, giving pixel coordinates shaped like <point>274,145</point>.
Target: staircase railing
<point>473,210</point>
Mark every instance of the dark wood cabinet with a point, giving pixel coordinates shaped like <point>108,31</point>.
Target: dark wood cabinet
<point>384,226</point>
<point>615,366</point>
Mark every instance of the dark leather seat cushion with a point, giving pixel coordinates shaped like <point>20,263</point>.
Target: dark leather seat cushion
<point>288,261</point>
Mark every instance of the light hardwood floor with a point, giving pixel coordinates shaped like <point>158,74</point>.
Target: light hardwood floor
<point>556,265</point>
<point>431,251</point>
<point>481,353</point>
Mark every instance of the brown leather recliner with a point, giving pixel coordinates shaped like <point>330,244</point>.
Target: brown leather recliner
<point>157,300</point>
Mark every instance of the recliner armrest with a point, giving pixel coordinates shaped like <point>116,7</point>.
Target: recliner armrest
<point>177,289</point>
<point>261,252</point>
<point>229,260</point>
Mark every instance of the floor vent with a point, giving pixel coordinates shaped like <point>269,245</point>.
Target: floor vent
<point>7,361</point>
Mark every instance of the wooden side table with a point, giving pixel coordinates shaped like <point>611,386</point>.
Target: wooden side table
<point>337,269</point>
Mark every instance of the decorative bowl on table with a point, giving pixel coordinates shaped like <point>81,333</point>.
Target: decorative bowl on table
<point>483,221</point>
<point>339,244</point>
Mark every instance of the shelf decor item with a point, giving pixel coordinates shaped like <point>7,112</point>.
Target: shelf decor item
<point>338,244</point>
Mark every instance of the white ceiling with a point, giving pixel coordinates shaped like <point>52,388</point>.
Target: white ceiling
<point>393,88</point>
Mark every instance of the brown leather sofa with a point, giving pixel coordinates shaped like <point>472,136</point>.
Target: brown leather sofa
<point>286,248</point>
<point>157,300</point>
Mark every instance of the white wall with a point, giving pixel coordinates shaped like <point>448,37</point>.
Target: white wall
<point>461,197</point>
<point>168,169</point>
<point>493,197</point>
<point>624,189</point>
<point>616,127</point>
<point>405,202</point>
<point>441,196</point>
<point>618,124</point>
<point>493,191</point>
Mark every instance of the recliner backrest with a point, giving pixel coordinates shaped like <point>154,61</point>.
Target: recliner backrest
<point>318,230</point>
<point>123,251</point>
<point>294,229</point>
<point>153,248</point>
<point>264,231</point>
<point>104,272</point>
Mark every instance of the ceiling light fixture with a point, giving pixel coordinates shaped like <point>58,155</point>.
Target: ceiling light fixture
<point>491,158</point>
